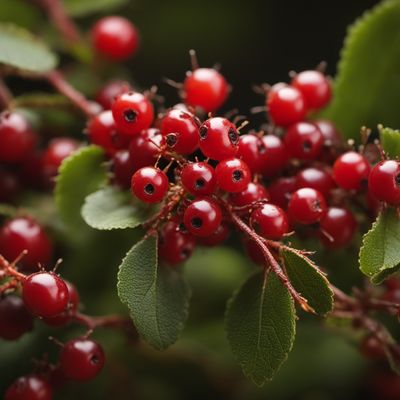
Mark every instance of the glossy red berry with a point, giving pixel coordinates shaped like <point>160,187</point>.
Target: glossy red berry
<point>331,135</point>
<point>149,184</point>
<point>219,138</point>
<point>315,178</point>
<point>81,359</point>
<point>198,178</point>
<point>45,294</point>
<point>315,88</point>
<point>337,227</point>
<point>205,88</point>
<point>175,245</point>
<point>145,148</point>
<point>24,233</point>
<point>270,221</point>
<point>9,186</point>
<point>107,94</point>
<point>202,217</point>
<point>233,175</point>
<point>281,190</point>
<point>181,131</point>
<point>384,182</point>
<point>29,387</point>
<point>307,206</point>
<point>286,105</point>
<point>252,193</point>
<point>304,141</point>
<point>16,137</point>
<point>123,169</point>
<point>115,38</point>
<point>217,237</point>
<point>251,150</point>
<point>102,131</point>
<point>132,113</point>
<point>274,155</point>
<point>351,171</point>
<point>15,320</point>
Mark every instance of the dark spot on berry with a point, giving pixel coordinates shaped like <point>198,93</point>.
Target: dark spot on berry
<point>203,132</point>
<point>130,115</point>
<point>196,222</point>
<point>233,136</point>
<point>237,175</point>
<point>182,228</point>
<point>94,359</point>
<point>317,205</point>
<point>185,253</point>
<point>397,179</point>
<point>307,146</point>
<point>149,189</point>
<point>184,115</point>
<point>199,184</point>
<point>171,139</point>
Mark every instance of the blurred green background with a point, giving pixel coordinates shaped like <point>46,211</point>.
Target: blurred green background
<point>254,41</point>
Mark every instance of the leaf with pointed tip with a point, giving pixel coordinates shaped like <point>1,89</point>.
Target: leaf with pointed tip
<point>157,296</point>
<point>390,140</point>
<point>260,322</point>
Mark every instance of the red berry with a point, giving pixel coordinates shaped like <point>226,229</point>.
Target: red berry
<point>115,38</point>
<point>9,186</point>
<point>372,348</point>
<point>337,227</point>
<point>384,182</point>
<point>331,135</point>
<point>315,88</point>
<point>274,156</point>
<point>175,246</point>
<point>252,193</point>
<point>72,306</point>
<point>351,171</point>
<point>198,178</point>
<point>24,233</point>
<point>149,184</point>
<point>202,217</point>
<point>16,138</point>
<point>29,387</point>
<point>270,221</point>
<point>205,88</point>
<point>107,94</point>
<point>31,171</point>
<point>281,190</point>
<point>217,237</point>
<point>219,138</point>
<point>251,150</point>
<point>233,175</point>
<point>317,179</point>
<point>145,148</point>
<point>15,320</point>
<point>123,168</point>
<point>181,131</point>
<point>103,132</point>
<point>304,140</point>
<point>307,206</point>
<point>132,113</point>
<point>286,105</point>
<point>57,150</point>
<point>254,251</point>
<point>81,359</point>
<point>392,295</point>
<point>45,294</point>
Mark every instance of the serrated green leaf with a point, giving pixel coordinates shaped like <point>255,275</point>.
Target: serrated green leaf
<point>308,280</point>
<point>81,8</point>
<point>157,296</point>
<point>260,322</point>
<point>379,255</point>
<point>367,87</point>
<point>111,208</point>
<point>79,175</point>
<point>20,49</point>
<point>390,140</point>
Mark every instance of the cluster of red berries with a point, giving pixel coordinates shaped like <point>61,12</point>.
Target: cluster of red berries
<point>23,163</point>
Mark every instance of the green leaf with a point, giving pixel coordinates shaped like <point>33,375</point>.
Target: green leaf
<point>367,86</point>
<point>80,174</point>
<point>81,8</point>
<point>20,49</point>
<point>308,280</point>
<point>260,322</point>
<point>390,140</point>
<point>379,255</point>
<point>157,296</point>
<point>6,210</point>
<point>111,208</point>
<point>20,12</point>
